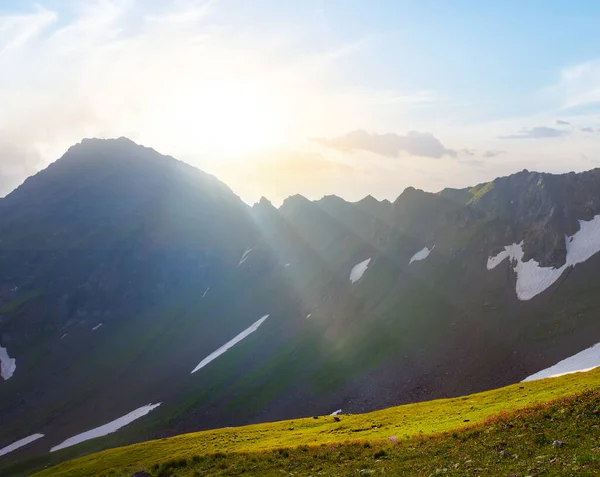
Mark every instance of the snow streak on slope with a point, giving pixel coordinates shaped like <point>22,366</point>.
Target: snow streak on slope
<point>205,292</point>
<point>97,326</point>
<point>421,254</point>
<point>494,261</point>
<point>582,361</point>
<point>358,270</point>
<point>245,256</point>
<point>7,364</point>
<point>533,279</point>
<point>106,429</point>
<point>215,354</point>
<point>20,443</point>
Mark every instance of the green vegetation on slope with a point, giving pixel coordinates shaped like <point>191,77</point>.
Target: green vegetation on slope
<point>539,425</point>
<point>559,438</point>
<point>480,190</point>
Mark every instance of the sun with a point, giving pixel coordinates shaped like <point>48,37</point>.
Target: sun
<point>233,118</point>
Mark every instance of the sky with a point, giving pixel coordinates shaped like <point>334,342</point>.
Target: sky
<point>316,97</point>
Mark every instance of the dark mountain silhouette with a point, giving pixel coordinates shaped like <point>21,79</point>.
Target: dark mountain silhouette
<point>174,265</point>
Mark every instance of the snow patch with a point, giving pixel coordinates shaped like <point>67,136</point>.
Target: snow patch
<point>97,326</point>
<point>7,364</point>
<point>63,336</point>
<point>205,292</point>
<point>20,443</point>
<point>421,254</point>
<point>533,279</point>
<point>106,429</point>
<point>358,270</point>
<point>335,413</point>
<point>287,265</point>
<point>308,316</point>
<point>583,361</point>
<point>215,354</point>
<point>493,262</point>
<point>245,256</point>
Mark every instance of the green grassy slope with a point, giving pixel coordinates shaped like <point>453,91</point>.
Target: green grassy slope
<point>512,444</point>
<point>413,425</point>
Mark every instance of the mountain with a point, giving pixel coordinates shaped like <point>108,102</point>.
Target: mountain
<point>123,270</point>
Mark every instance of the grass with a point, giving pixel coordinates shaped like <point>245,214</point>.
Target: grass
<point>480,190</point>
<point>511,444</point>
<point>501,424</point>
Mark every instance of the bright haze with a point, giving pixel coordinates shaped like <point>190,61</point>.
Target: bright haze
<point>313,97</point>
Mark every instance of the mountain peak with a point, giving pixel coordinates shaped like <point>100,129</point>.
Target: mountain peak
<point>294,200</point>
<point>263,204</point>
<point>330,199</point>
<point>369,199</point>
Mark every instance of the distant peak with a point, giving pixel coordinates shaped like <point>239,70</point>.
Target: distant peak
<point>295,199</point>
<point>330,198</point>
<point>368,199</point>
<point>411,191</point>
<point>97,140</point>
<point>263,203</point>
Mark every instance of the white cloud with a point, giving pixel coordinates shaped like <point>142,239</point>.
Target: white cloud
<point>577,86</point>
<point>173,78</point>
<point>413,143</point>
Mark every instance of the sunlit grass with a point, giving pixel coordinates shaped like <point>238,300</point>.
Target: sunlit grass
<point>406,423</point>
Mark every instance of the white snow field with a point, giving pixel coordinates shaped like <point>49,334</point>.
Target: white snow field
<point>421,254</point>
<point>7,364</point>
<point>533,279</point>
<point>358,270</point>
<point>245,256</point>
<point>20,443</point>
<point>106,429</point>
<point>583,361</point>
<point>97,326</point>
<point>215,354</point>
<point>335,413</point>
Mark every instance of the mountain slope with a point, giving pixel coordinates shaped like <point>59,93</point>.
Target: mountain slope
<point>121,270</point>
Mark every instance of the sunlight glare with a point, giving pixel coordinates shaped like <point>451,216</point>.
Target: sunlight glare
<point>229,119</point>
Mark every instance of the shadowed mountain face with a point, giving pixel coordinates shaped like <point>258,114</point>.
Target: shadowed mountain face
<point>173,266</point>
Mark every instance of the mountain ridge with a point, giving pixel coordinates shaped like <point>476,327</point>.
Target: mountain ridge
<point>173,266</point>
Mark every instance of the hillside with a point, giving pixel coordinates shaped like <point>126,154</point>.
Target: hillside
<point>134,287</point>
<point>507,429</point>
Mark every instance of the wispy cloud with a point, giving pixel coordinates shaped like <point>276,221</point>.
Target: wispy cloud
<point>174,75</point>
<point>493,153</point>
<point>538,132</point>
<point>414,143</point>
<point>560,122</point>
<point>578,86</point>
<point>489,153</point>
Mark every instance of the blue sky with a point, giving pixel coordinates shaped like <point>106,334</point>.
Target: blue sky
<point>496,55</point>
<point>312,97</point>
